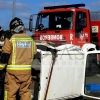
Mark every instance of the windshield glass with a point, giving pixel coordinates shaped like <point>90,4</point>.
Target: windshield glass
<point>55,20</point>
<point>92,75</point>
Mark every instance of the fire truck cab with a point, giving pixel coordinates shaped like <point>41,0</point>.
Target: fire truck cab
<point>63,24</point>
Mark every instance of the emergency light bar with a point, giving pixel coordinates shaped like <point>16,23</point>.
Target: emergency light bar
<point>65,6</point>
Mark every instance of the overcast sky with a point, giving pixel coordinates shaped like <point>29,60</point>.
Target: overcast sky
<point>24,8</point>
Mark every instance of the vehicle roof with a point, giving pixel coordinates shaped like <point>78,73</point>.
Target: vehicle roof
<point>62,9</point>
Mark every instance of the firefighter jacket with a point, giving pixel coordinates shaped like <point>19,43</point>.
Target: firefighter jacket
<point>17,53</point>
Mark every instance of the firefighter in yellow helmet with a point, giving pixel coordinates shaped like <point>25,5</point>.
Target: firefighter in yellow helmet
<point>17,53</point>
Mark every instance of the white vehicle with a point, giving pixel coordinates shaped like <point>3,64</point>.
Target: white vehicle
<point>68,73</point>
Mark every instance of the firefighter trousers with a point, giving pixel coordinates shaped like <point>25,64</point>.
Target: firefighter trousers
<point>19,83</point>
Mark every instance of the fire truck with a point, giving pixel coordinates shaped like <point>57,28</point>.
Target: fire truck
<point>68,55</point>
<point>66,24</point>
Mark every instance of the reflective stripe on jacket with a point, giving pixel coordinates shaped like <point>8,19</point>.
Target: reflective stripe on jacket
<point>18,67</point>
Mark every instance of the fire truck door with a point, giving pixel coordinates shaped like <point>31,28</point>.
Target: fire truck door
<point>81,29</point>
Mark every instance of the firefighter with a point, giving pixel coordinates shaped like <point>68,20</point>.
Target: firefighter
<point>2,73</point>
<point>17,55</point>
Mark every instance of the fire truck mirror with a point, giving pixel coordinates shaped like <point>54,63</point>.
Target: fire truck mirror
<point>31,23</point>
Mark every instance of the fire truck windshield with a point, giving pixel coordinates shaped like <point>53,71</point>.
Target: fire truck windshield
<point>55,20</point>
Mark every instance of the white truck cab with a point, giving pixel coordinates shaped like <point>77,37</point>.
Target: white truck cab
<point>67,74</point>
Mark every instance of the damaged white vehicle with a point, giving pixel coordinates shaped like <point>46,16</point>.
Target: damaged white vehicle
<point>66,72</point>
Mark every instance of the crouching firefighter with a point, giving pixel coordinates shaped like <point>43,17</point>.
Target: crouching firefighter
<point>17,53</point>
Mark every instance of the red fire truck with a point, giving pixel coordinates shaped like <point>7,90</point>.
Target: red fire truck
<point>64,24</point>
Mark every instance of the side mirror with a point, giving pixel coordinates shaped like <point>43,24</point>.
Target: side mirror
<point>31,23</point>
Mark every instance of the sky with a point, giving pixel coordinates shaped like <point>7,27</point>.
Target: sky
<point>24,8</point>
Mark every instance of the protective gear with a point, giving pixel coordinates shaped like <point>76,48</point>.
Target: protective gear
<point>16,25</point>
<point>15,83</point>
<point>21,48</point>
<point>2,78</point>
<point>2,72</point>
